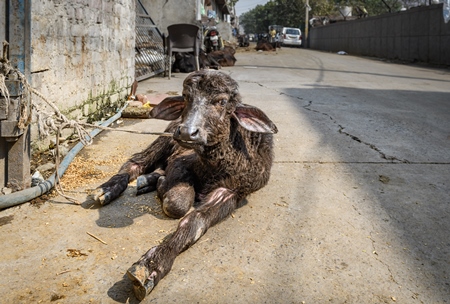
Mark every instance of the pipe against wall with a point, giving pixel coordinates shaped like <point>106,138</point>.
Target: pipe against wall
<point>26,195</point>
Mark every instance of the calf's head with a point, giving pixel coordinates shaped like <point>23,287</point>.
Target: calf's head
<point>210,101</point>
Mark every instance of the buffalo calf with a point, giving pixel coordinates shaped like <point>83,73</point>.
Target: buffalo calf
<point>220,152</point>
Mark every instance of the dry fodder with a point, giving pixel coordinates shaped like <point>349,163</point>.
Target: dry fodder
<point>82,171</point>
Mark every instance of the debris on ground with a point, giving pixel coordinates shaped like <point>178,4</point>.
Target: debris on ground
<point>384,179</point>
<point>141,105</point>
<point>75,253</point>
<point>136,112</point>
<point>36,178</point>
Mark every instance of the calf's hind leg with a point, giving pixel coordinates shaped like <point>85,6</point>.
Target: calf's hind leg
<point>158,261</point>
<point>176,189</point>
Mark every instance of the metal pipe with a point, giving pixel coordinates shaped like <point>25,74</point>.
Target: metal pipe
<point>307,9</point>
<point>26,195</point>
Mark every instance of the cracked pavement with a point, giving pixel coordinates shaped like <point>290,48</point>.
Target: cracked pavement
<point>357,209</point>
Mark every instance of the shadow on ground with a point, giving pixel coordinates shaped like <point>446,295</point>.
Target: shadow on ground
<point>413,148</point>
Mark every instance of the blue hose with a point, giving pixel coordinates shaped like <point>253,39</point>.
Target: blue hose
<point>26,195</point>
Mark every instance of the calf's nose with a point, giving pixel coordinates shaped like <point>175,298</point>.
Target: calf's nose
<point>187,133</point>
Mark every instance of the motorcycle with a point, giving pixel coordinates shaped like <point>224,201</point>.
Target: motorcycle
<point>213,41</point>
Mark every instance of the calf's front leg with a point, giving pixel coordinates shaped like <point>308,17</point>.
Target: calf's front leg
<point>147,182</point>
<point>158,261</point>
<point>148,160</point>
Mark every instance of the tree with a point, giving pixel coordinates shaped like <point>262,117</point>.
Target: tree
<point>378,7</point>
<point>253,21</point>
<point>323,8</point>
<point>291,13</point>
<point>374,7</point>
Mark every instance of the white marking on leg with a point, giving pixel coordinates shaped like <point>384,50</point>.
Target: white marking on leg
<point>198,234</point>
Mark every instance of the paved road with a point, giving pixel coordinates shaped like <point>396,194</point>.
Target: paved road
<point>357,209</point>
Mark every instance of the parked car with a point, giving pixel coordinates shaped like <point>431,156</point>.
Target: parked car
<point>291,36</point>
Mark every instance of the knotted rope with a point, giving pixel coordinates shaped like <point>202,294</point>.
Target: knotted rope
<point>48,121</point>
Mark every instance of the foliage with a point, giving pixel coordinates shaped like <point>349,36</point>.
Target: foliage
<point>378,7</point>
<point>375,7</point>
<point>322,8</point>
<point>232,3</point>
<point>291,13</point>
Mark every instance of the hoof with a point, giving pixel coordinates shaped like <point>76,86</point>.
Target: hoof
<point>101,197</point>
<point>147,183</point>
<point>143,281</point>
<point>146,190</point>
<point>144,185</point>
<point>141,182</point>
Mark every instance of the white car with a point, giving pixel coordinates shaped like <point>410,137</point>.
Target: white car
<point>291,36</point>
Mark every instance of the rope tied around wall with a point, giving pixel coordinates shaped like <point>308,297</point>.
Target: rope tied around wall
<point>5,68</point>
<point>48,122</point>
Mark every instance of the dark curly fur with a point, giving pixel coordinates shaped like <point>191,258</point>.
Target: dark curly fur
<point>221,151</point>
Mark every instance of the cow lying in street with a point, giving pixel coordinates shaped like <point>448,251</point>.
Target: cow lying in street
<point>185,62</point>
<point>267,46</point>
<point>224,57</point>
<point>221,151</point>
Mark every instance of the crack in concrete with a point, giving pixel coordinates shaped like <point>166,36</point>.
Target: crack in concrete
<point>376,256</point>
<point>373,147</point>
<point>391,159</point>
<point>383,155</point>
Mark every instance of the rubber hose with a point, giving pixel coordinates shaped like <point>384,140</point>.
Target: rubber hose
<point>28,194</point>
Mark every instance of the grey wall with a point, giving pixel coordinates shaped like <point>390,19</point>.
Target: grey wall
<point>418,34</point>
<point>2,23</point>
<point>83,54</point>
<point>167,12</point>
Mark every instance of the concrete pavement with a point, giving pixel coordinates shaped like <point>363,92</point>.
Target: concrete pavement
<point>357,209</point>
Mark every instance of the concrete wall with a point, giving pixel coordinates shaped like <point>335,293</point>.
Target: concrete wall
<point>167,12</point>
<point>418,34</point>
<point>83,54</point>
<point>2,24</point>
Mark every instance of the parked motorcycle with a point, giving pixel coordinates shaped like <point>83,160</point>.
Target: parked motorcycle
<point>212,40</point>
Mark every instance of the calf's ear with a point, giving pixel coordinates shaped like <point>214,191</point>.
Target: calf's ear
<point>253,119</point>
<point>170,108</point>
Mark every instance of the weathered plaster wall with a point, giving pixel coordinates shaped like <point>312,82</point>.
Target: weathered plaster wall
<point>83,53</point>
<point>2,23</point>
<point>167,12</point>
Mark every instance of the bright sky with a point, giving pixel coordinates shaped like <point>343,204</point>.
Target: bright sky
<point>243,6</point>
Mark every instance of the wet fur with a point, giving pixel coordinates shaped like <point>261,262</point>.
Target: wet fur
<point>230,159</point>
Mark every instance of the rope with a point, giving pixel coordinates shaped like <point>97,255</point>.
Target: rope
<point>58,186</point>
<point>5,68</point>
<point>46,121</point>
<point>3,89</point>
